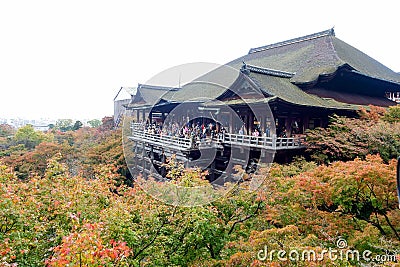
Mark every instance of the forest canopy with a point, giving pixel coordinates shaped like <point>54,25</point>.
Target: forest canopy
<point>67,199</point>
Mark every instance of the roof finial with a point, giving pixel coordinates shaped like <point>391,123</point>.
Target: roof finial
<point>332,31</point>
<point>244,69</point>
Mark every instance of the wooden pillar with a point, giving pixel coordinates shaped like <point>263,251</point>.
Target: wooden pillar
<point>262,124</point>
<point>187,161</point>
<point>150,117</point>
<point>163,118</point>
<point>306,121</point>
<point>274,139</point>
<point>288,126</point>
<point>213,170</point>
<point>135,154</point>
<point>231,123</point>
<point>143,159</point>
<point>250,120</point>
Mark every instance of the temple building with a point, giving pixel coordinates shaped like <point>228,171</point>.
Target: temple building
<point>263,102</point>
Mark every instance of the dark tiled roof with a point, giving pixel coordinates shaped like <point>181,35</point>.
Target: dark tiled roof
<point>195,91</point>
<point>281,70</point>
<point>208,86</point>
<point>330,32</point>
<point>351,98</point>
<point>283,89</point>
<point>313,55</point>
<point>156,87</point>
<point>362,62</point>
<point>272,83</point>
<point>272,72</point>
<point>150,94</point>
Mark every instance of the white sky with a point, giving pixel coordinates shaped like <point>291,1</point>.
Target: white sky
<point>68,59</point>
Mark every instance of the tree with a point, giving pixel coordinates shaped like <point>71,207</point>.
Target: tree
<point>107,123</point>
<point>64,125</point>
<point>6,130</point>
<point>71,208</point>
<point>62,219</point>
<point>348,138</point>
<point>365,190</point>
<point>77,125</point>
<point>86,247</point>
<point>95,123</point>
<point>393,114</point>
<point>30,138</point>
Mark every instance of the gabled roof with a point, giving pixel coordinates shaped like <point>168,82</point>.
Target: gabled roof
<point>274,84</point>
<point>329,32</point>
<point>195,91</point>
<point>125,93</point>
<point>313,55</point>
<point>282,71</point>
<point>283,89</point>
<point>150,94</point>
<point>278,73</point>
<point>277,83</point>
<point>208,86</point>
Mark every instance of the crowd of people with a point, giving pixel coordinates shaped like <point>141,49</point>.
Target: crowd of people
<point>256,132</point>
<point>196,131</point>
<point>202,131</point>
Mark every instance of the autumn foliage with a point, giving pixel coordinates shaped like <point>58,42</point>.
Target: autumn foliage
<point>69,201</point>
<point>376,131</point>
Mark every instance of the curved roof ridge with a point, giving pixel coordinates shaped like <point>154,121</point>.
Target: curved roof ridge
<point>156,87</point>
<point>329,32</point>
<point>268,71</point>
<point>334,50</point>
<point>376,78</point>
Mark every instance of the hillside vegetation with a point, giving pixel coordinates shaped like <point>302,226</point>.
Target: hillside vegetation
<point>67,199</point>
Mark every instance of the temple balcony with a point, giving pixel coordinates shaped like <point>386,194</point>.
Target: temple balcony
<point>273,142</point>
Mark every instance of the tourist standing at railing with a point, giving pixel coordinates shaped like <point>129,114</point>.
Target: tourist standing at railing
<point>210,128</point>
<point>255,133</point>
<point>221,133</point>
<point>267,130</point>
<point>283,133</point>
<point>241,131</point>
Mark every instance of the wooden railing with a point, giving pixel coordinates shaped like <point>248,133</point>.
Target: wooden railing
<point>263,142</point>
<point>162,140</point>
<point>272,142</point>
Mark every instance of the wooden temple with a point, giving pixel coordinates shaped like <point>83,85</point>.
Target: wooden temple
<point>275,93</point>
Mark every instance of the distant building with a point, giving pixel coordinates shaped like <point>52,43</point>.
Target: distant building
<point>43,128</point>
<point>121,100</point>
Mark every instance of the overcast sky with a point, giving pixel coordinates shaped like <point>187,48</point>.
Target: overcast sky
<point>67,59</point>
